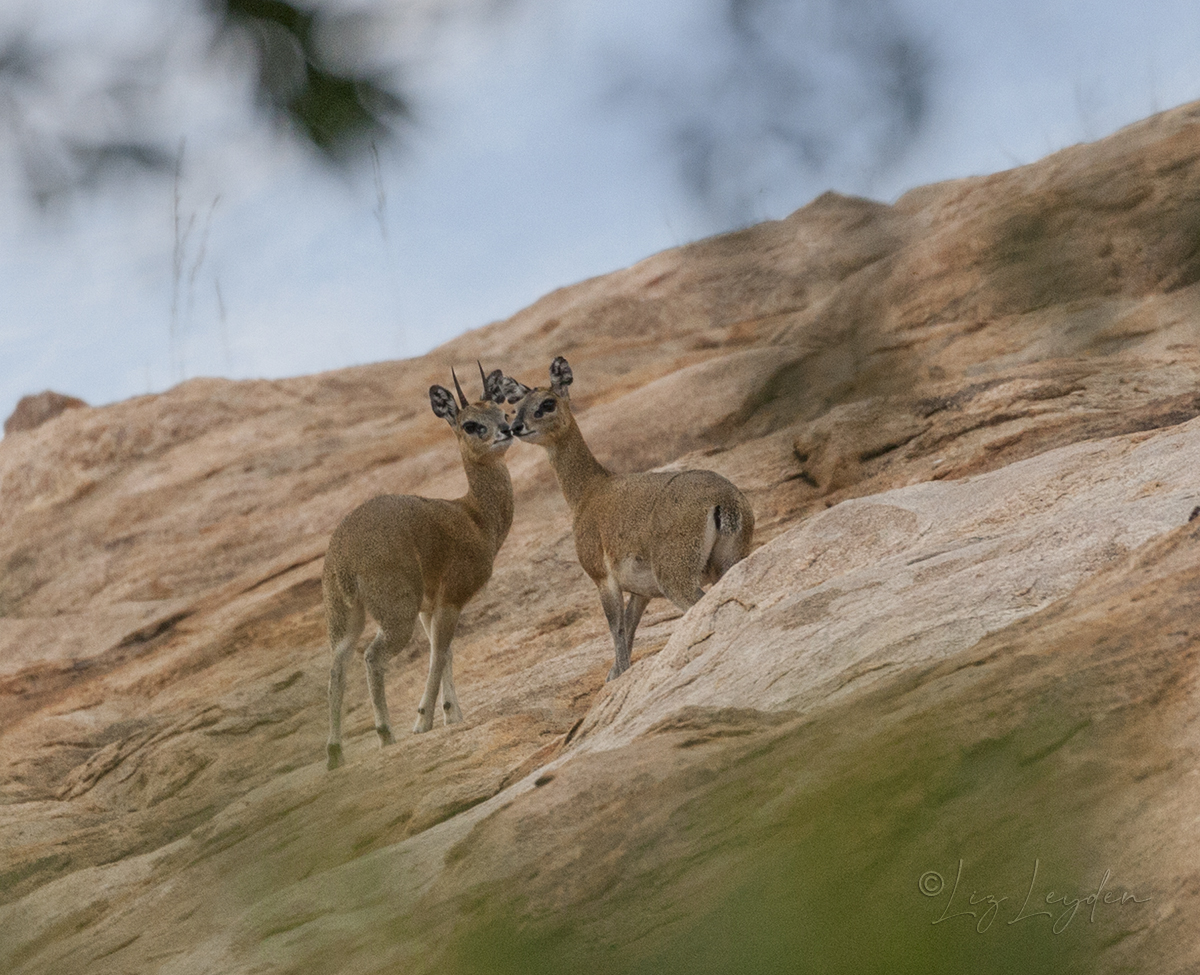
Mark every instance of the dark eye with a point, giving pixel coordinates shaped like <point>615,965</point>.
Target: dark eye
<point>546,407</point>
<point>471,427</point>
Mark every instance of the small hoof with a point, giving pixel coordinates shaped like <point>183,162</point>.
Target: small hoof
<point>335,756</point>
<point>385,736</point>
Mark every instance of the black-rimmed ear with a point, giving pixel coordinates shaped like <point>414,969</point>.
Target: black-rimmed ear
<point>512,390</point>
<point>560,376</point>
<point>493,385</point>
<point>442,401</point>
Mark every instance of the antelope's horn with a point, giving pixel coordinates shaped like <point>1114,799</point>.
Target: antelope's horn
<point>461,398</point>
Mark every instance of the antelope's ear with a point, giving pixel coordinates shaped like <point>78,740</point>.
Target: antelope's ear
<point>493,386</point>
<point>560,376</point>
<point>442,401</point>
<point>512,390</point>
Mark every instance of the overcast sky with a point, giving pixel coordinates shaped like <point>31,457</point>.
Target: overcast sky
<point>554,140</point>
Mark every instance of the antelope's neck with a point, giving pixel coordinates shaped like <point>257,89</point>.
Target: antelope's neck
<point>575,466</point>
<point>490,497</point>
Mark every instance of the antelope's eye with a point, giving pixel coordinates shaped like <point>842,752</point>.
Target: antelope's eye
<point>546,407</point>
<point>471,427</point>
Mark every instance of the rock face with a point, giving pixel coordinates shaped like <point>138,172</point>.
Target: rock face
<point>943,719</point>
<point>33,411</point>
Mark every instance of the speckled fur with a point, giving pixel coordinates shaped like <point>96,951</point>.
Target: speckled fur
<point>654,534</point>
<point>399,558</point>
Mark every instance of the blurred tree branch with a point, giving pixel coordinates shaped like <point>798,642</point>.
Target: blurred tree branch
<point>340,113</point>
<point>57,161</point>
<point>70,129</point>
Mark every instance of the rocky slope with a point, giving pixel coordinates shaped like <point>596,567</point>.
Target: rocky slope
<point>952,692</point>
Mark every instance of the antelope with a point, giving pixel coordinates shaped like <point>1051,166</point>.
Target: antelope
<point>399,558</point>
<point>649,535</point>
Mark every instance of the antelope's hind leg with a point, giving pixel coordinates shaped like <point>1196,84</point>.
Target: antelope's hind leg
<point>346,622</point>
<point>687,534</point>
<point>395,607</point>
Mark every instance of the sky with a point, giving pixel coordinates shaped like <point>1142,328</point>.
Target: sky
<point>552,140</point>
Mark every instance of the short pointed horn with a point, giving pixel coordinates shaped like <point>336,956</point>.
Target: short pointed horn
<point>461,398</point>
<point>483,379</point>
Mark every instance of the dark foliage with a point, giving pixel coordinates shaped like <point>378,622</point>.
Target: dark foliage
<point>339,112</point>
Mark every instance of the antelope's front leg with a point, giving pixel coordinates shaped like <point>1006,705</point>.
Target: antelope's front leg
<point>450,708</point>
<point>441,632</point>
<point>613,601</point>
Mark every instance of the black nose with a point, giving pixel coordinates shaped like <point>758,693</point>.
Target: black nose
<point>518,428</point>
<point>505,429</point>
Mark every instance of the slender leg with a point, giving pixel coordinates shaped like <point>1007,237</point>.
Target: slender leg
<point>375,660</point>
<point>345,627</point>
<point>444,624</point>
<point>395,606</point>
<point>445,619</point>
<point>450,706</point>
<point>613,601</point>
<point>633,616</point>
